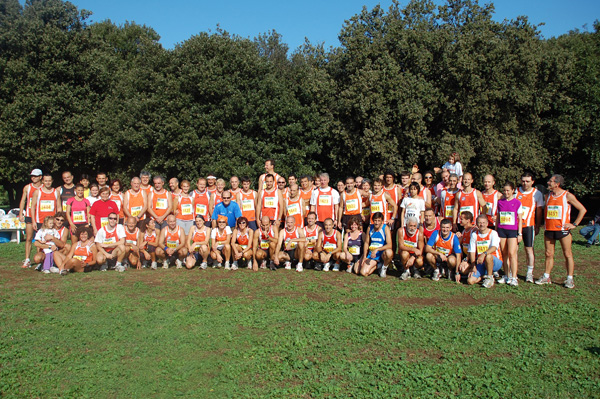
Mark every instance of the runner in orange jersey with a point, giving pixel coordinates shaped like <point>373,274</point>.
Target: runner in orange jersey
<point>468,199</point>
<point>329,245</point>
<point>83,254</point>
<point>306,192</point>
<point>325,201</point>
<point>311,232</point>
<point>270,201</point>
<point>294,206</point>
<point>269,170</point>
<point>160,202</point>
<point>150,236</point>
<point>491,196</point>
<point>44,202</point>
<point>184,207</point>
<point>201,198</point>
<point>532,201</point>
<point>221,242</point>
<point>410,246</point>
<point>198,244</point>
<point>265,240</point>
<point>174,187</point>
<point>242,240</point>
<point>135,202</point>
<point>216,197</point>
<point>172,244</point>
<point>133,237</point>
<point>380,201</point>
<point>248,202</point>
<point>234,183</point>
<point>25,212</point>
<point>290,245</point>
<point>211,184</point>
<point>443,251</point>
<point>284,192</point>
<point>145,185</point>
<point>117,197</point>
<point>350,204</point>
<point>558,227</point>
<point>392,189</point>
<point>110,241</point>
<point>447,197</point>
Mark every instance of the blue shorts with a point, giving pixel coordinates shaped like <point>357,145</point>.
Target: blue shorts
<point>377,258</point>
<point>481,270</point>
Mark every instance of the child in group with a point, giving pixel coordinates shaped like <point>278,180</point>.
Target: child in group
<point>454,166</point>
<point>45,241</point>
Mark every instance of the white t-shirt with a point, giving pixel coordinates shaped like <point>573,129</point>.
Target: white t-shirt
<point>41,233</point>
<point>101,236</point>
<point>335,196</point>
<point>456,167</point>
<point>494,240</point>
<point>213,235</point>
<point>92,200</point>
<point>414,207</point>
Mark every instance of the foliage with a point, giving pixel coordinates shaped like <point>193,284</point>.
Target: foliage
<point>410,84</point>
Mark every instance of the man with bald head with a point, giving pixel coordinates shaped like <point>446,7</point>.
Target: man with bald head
<point>135,202</point>
<point>491,197</point>
<point>325,201</point>
<point>227,208</point>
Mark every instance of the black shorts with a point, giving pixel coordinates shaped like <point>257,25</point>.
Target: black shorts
<point>505,233</point>
<point>528,236</point>
<point>151,249</point>
<point>291,253</point>
<point>556,235</point>
<point>28,220</point>
<point>320,224</point>
<point>252,225</point>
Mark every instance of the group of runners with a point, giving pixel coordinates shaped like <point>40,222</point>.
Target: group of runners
<point>449,229</point>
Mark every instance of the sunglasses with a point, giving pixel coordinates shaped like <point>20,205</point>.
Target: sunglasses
<point>429,177</point>
<point>226,198</point>
<point>59,220</point>
<point>112,218</point>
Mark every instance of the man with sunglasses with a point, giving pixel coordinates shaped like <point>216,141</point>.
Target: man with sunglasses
<point>110,241</point>
<point>227,208</point>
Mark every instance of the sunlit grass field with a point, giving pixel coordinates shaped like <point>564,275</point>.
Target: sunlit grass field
<point>220,334</point>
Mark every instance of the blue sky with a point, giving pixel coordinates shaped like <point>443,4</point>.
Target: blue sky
<point>319,21</point>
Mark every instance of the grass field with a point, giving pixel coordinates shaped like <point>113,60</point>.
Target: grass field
<point>219,334</point>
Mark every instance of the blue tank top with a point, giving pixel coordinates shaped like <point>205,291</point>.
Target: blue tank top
<point>376,240</point>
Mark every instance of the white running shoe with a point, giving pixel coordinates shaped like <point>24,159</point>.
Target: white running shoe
<point>569,283</point>
<point>488,282</point>
<point>250,264</point>
<point>406,275</point>
<point>46,271</point>
<point>54,269</point>
<point>326,267</point>
<point>154,266</point>
<point>227,266</point>
<point>120,268</point>
<point>234,266</point>
<point>203,265</point>
<point>165,265</point>
<point>543,280</point>
<point>26,264</point>
<point>503,280</point>
<point>436,275</point>
<point>514,282</point>
<point>383,271</point>
<point>288,265</point>
<point>299,267</point>
<point>529,278</point>
<point>263,264</point>
<point>179,264</point>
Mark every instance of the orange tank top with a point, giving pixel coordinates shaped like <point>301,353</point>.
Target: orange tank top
<point>270,204</point>
<point>131,238</point>
<point>294,208</point>
<point>444,247</point>
<point>468,202</point>
<point>411,241</point>
<point>135,204</point>
<point>31,189</point>
<point>159,202</point>
<point>290,236</point>
<point>185,208</point>
<point>242,239</point>
<point>46,205</point>
<point>199,235</point>
<point>379,204</point>
<point>83,253</point>
<point>305,195</point>
<point>248,200</point>
<point>558,211</point>
<point>325,206</point>
<point>352,203</point>
<point>393,192</point>
<point>529,206</point>
<point>311,237</point>
<point>201,201</point>
<point>491,200</point>
<point>172,239</point>
<point>447,199</point>
<point>483,243</point>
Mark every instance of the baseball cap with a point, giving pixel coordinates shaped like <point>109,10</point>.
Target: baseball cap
<point>36,172</point>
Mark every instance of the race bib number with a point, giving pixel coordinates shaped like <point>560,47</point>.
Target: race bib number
<point>244,247</point>
<point>172,244</point>
<point>162,203</point>
<point>293,209</point>
<point>376,206</point>
<point>46,206</point>
<point>110,240</point>
<point>352,205</point>
<point>443,251</point>
<point>449,210</point>
<point>366,212</point>
<point>104,221</point>
<point>329,247</point>
<point>325,200</point>
<point>80,257</point>
<point>410,244</point>
<point>553,211</point>
<point>270,202</point>
<point>354,250</point>
<point>79,217</point>
<point>525,213</point>
<point>247,205</point>
<point>410,213</point>
<point>64,206</point>
<point>292,244</point>
<point>186,209</point>
<point>507,218</point>
<point>482,246</point>
<point>136,210</point>
<point>374,247</point>
<point>132,242</point>
<point>264,244</point>
<point>200,209</point>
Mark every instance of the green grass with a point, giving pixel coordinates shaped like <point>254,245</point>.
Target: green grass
<point>219,334</point>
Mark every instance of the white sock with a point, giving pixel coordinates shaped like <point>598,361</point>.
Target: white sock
<point>300,264</point>
<point>529,269</point>
<point>118,264</point>
<point>569,277</point>
<point>546,275</point>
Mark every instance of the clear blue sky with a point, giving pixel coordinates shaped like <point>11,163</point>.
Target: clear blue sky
<point>319,21</point>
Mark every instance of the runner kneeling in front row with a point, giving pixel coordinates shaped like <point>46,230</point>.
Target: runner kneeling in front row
<point>149,242</point>
<point>241,243</point>
<point>442,251</point>
<point>290,245</point>
<point>221,243</point>
<point>171,244</point>
<point>410,246</point>
<point>329,247</point>
<point>377,247</point>
<point>265,240</point>
<point>483,253</point>
<point>197,241</point>
<point>352,252</point>
<point>83,254</point>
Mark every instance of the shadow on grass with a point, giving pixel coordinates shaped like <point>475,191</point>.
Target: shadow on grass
<point>594,350</point>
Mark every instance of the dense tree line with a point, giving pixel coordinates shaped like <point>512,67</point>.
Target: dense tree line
<point>407,85</point>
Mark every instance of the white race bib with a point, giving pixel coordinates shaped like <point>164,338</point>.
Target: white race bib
<point>293,209</point>
<point>135,210</point>
<point>449,210</point>
<point>78,216</point>
<point>186,209</point>
<point>46,206</point>
<point>507,218</point>
<point>352,205</point>
<point>324,200</point>
<point>270,202</point>
<point>162,203</point>
<point>247,205</point>
<point>200,209</point>
<point>553,211</point>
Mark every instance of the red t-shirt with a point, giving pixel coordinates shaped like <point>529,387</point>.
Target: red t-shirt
<point>100,210</point>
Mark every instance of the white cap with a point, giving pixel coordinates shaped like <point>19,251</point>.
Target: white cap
<point>36,172</point>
